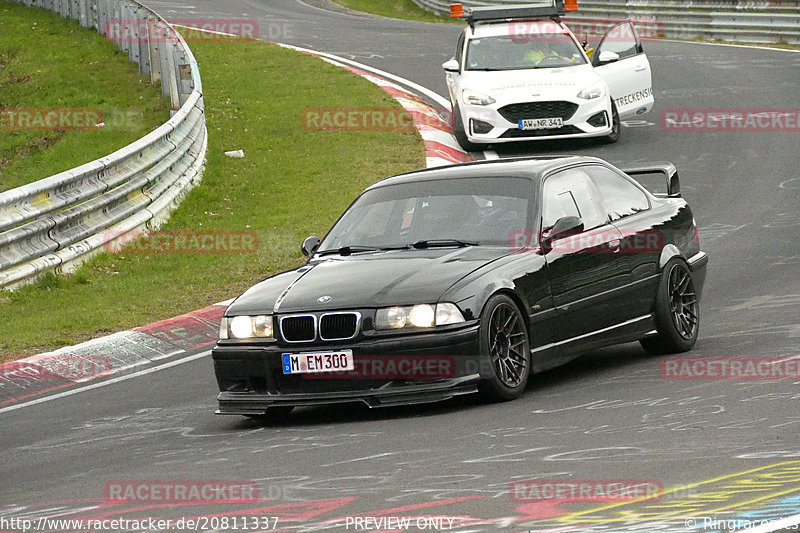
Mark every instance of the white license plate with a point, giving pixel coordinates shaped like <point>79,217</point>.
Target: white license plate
<point>316,362</point>
<point>541,123</point>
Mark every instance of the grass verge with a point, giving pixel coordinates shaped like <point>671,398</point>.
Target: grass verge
<point>293,182</point>
<point>783,45</point>
<point>399,9</point>
<point>50,62</point>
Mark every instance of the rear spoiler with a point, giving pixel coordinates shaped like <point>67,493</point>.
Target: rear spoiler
<point>547,9</point>
<point>666,168</point>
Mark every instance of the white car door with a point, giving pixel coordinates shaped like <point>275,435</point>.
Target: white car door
<point>622,63</point>
<point>453,75</point>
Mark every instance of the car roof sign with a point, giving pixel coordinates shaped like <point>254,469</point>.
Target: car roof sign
<point>546,9</point>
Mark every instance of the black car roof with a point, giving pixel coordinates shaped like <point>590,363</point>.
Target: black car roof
<point>533,168</point>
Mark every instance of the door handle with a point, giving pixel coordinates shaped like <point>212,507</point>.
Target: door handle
<point>615,245</point>
<point>640,68</point>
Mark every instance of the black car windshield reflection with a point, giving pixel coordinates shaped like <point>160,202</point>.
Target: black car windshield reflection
<point>436,213</point>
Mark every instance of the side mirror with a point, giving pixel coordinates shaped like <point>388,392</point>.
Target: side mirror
<point>607,56</point>
<point>564,226</point>
<point>310,245</point>
<point>451,65</point>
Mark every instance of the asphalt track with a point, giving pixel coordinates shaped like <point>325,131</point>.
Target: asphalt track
<point>721,449</point>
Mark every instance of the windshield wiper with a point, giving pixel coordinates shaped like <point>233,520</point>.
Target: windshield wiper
<point>442,243</point>
<point>347,250</point>
<point>419,245</point>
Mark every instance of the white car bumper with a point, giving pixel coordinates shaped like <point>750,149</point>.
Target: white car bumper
<point>499,122</point>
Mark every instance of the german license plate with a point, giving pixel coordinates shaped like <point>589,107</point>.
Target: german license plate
<point>541,123</point>
<point>316,362</point>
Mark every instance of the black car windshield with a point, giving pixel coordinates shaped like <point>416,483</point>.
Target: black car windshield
<point>437,213</point>
<point>518,52</point>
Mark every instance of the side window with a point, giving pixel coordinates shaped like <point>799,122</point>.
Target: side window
<point>621,39</point>
<point>571,193</point>
<point>460,48</point>
<point>621,198</point>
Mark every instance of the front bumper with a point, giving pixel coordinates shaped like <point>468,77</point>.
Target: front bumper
<point>251,379</point>
<point>504,130</point>
<point>698,264</point>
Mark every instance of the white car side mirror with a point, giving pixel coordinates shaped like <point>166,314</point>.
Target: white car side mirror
<point>607,56</point>
<point>451,65</point>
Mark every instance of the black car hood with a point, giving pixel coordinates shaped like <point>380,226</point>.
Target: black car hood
<point>365,280</point>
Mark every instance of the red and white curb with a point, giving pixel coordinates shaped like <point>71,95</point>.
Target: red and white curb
<point>112,354</point>
<point>126,350</point>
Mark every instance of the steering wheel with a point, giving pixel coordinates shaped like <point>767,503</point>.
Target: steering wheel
<point>557,59</point>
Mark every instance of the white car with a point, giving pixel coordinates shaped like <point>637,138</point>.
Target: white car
<point>519,73</point>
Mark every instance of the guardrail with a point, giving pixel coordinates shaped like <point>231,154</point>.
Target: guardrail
<point>57,222</point>
<point>755,21</point>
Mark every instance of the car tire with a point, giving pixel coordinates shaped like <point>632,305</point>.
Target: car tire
<point>677,311</point>
<point>613,137</point>
<point>273,414</point>
<point>460,133</point>
<point>503,337</point>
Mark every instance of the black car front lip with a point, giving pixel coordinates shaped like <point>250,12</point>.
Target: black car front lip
<point>244,403</point>
<point>243,364</point>
<point>698,264</point>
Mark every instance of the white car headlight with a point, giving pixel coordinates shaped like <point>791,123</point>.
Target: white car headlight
<point>595,90</point>
<point>417,316</point>
<point>476,98</point>
<point>246,327</point>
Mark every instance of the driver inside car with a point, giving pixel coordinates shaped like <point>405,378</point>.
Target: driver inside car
<point>539,52</point>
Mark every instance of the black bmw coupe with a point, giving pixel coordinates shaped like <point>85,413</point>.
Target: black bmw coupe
<point>464,279</point>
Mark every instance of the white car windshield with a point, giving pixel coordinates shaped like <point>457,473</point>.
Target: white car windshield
<point>518,52</point>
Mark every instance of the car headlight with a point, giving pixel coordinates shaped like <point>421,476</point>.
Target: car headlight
<point>595,90</point>
<point>418,316</point>
<point>246,327</point>
<point>475,98</point>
